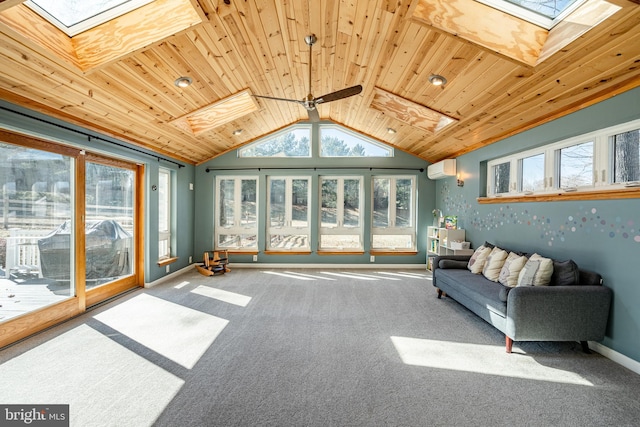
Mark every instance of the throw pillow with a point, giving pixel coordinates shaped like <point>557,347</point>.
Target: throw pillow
<point>565,273</point>
<point>476,263</point>
<point>511,269</point>
<point>493,264</point>
<point>451,263</point>
<point>536,272</point>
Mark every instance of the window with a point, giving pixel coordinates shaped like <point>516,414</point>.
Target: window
<point>544,13</point>
<point>575,165</point>
<point>500,178</point>
<point>236,213</point>
<point>336,141</point>
<point>531,173</point>
<point>288,223</point>
<point>626,156</point>
<point>76,16</point>
<point>340,214</point>
<point>164,214</point>
<point>393,213</point>
<point>292,142</point>
<point>605,159</point>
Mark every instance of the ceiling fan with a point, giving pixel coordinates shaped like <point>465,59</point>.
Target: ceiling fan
<point>310,102</point>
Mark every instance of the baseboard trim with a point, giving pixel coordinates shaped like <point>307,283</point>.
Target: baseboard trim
<point>331,266</point>
<point>168,276</point>
<point>613,355</point>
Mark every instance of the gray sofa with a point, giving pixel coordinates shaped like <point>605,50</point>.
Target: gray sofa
<point>557,312</point>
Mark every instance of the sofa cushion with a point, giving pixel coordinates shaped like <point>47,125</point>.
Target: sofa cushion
<point>536,272</point>
<point>494,263</point>
<point>565,273</point>
<point>511,269</point>
<point>476,263</point>
<point>504,293</point>
<point>462,285</point>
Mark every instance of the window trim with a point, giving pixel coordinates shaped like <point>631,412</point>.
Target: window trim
<point>238,228</point>
<point>165,234</point>
<point>288,210</point>
<point>341,229</point>
<point>411,230</point>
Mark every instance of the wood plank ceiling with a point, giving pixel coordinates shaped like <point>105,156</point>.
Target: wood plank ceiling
<point>502,77</point>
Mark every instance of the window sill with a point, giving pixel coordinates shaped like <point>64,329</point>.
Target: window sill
<point>388,253</point>
<point>167,261</point>
<point>621,193</point>
<point>287,252</point>
<point>340,252</point>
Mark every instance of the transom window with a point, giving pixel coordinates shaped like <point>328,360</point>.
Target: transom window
<point>292,142</point>
<point>76,16</point>
<point>336,141</point>
<point>544,13</point>
<point>608,158</point>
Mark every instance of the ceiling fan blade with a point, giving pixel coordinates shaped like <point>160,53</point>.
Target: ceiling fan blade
<point>278,99</point>
<point>313,114</point>
<point>340,94</point>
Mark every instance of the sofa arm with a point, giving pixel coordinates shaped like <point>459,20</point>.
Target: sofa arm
<point>558,313</point>
<point>438,258</point>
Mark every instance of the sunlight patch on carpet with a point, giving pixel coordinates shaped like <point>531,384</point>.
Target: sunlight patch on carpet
<point>181,285</point>
<point>221,295</point>
<point>310,275</point>
<point>409,275</point>
<point>480,359</point>
<point>289,275</point>
<point>96,376</point>
<point>176,332</point>
<point>351,276</point>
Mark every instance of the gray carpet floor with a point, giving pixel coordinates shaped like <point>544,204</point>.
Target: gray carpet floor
<point>308,348</point>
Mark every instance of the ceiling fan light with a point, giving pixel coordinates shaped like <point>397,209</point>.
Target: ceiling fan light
<point>183,82</point>
<point>391,131</point>
<point>437,80</point>
<point>237,132</point>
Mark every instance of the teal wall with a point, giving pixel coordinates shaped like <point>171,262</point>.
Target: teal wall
<point>599,235</point>
<point>205,190</point>
<point>48,128</point>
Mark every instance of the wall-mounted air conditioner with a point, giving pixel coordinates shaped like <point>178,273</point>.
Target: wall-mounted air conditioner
<point>442,169</point>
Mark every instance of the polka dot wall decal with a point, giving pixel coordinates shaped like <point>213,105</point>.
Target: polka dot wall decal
<point>593,210</point>
<point>637,239</point>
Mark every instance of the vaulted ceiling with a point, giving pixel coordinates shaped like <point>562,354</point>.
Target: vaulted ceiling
<point>503,74</point>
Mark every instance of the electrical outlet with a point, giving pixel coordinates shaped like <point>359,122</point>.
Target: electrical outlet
<point>190,259</point>
<point>167,268</point>
<point>255,258</point>
<point>372,258</point>
<point>191,186</point>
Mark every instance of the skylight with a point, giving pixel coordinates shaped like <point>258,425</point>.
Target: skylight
<point>76,16</point>
<point>545,13</point>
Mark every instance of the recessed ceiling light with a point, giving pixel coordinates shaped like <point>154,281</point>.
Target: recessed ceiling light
<point>237,132</point>
<point>391,131</point>
<point>437,80</point>
<point>183,81</point>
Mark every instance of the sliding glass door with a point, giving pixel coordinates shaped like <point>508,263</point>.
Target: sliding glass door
<point>110,227</point>
<point>36,237</point>
<point>70,235</point>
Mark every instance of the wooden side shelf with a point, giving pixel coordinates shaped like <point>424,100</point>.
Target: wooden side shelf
<point>214,262</point>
